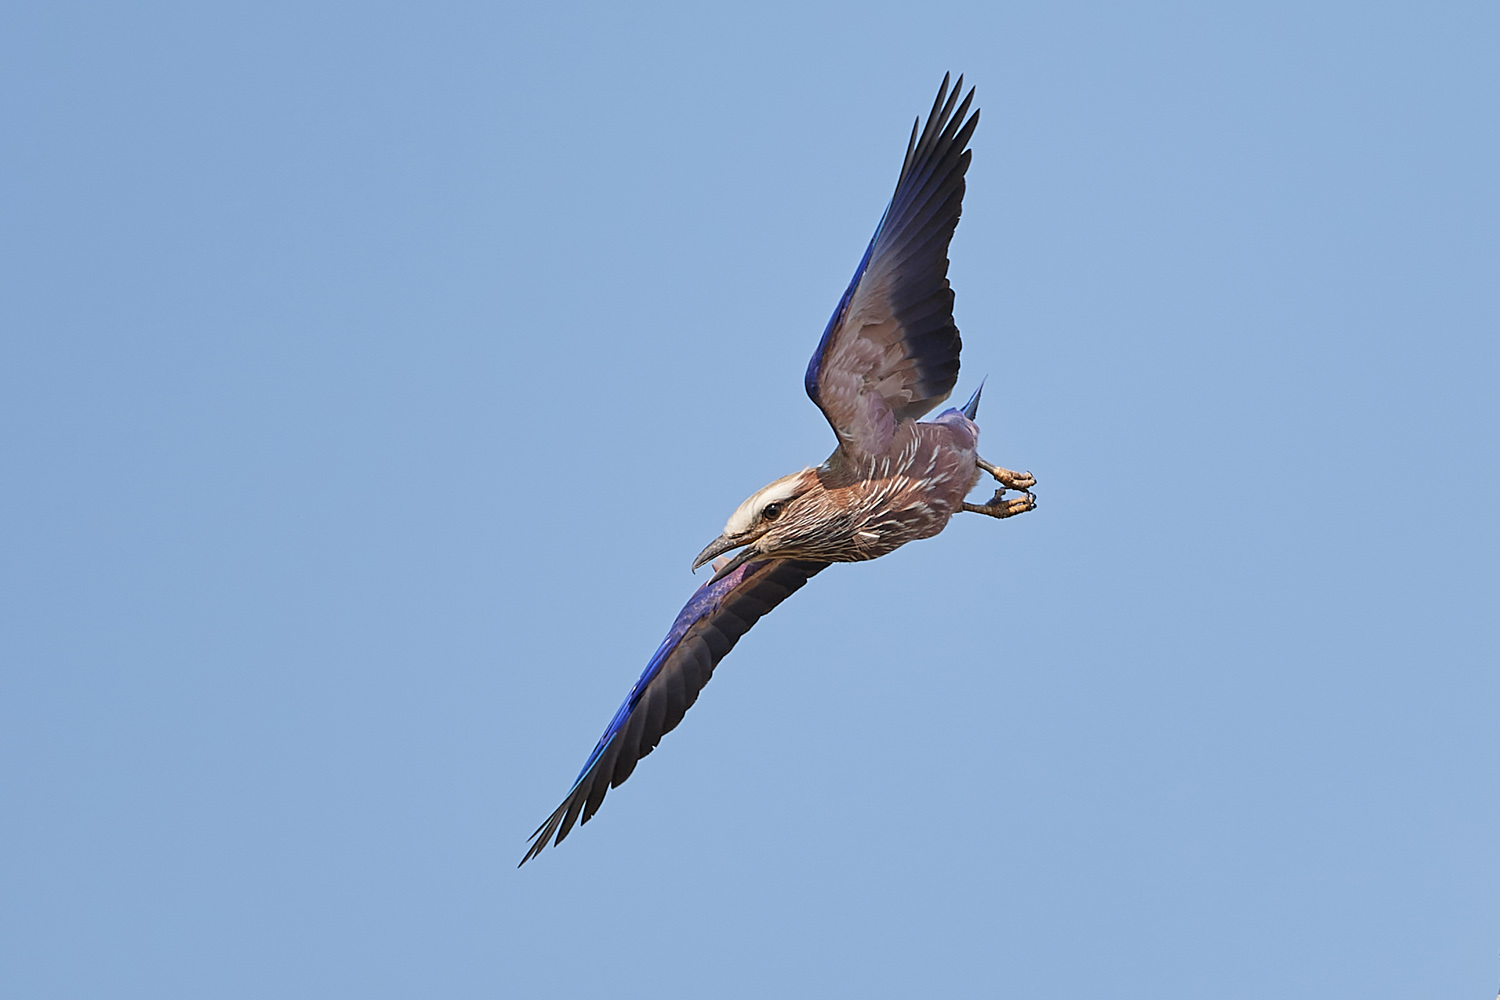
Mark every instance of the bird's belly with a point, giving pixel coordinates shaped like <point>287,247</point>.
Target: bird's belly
<point>919,510</point>
<point>891,533</point>
<point>911,495</point>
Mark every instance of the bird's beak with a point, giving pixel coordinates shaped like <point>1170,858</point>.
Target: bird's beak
<point>721,545</point>
<point>718,547</point>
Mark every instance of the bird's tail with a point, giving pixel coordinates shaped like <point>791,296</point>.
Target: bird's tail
<point>971,408</point>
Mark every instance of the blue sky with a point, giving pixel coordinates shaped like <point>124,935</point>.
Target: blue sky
<point>370,375</point>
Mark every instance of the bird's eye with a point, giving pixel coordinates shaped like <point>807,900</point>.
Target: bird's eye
<point>771,512</point>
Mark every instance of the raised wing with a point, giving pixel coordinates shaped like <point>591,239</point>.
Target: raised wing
<point>890,352</point>
<point>707,628</point>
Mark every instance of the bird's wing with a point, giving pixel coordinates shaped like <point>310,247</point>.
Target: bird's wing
<point>707,628</point>
<point>890,352</point>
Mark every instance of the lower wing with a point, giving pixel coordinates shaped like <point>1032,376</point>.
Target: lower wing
<point>705,631</point>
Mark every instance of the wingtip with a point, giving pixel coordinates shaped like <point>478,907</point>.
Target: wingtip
<point>538,843</point>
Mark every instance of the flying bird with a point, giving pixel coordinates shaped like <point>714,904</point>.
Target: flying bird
<point>888,356</point>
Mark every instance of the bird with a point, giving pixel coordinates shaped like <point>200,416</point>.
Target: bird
<point>888,356</point>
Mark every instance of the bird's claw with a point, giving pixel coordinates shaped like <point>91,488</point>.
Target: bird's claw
<point>1022,482</point>
<point>1001,507</point>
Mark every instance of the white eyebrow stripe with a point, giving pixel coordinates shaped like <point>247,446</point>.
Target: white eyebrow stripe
<point>745,514</point>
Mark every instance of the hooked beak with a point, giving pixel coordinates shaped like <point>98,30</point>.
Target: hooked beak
<point>721,545</point>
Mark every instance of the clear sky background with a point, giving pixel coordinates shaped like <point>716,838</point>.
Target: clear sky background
<point>370,374</point>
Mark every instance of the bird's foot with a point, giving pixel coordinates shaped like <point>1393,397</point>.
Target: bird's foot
<point>1022,481</point>
<point>1001,507</point>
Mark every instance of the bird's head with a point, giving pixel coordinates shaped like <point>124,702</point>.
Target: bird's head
<point>769,523</point>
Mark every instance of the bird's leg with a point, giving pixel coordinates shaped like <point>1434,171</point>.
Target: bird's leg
<point>1022,481</point>
<point>1001,507</point>
<point>1008,480</point>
